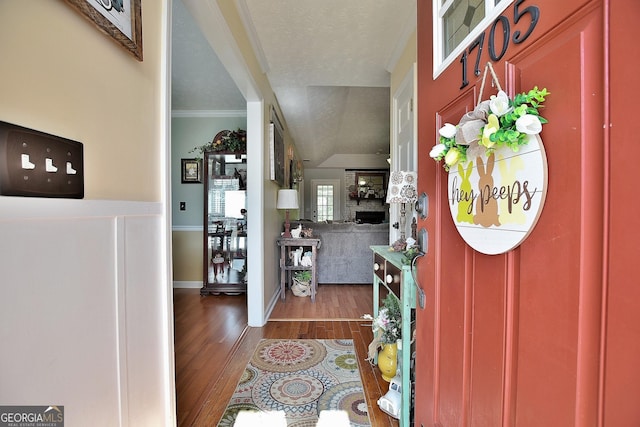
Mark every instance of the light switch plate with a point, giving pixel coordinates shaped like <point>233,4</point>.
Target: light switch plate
<point>37,164</point>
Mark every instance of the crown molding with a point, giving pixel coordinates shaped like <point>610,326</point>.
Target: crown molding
<point>208,113</point>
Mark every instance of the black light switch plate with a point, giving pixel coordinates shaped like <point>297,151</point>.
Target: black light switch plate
<point>37,164</point>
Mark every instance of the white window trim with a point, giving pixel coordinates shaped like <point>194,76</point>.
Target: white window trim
<point>440,65</point>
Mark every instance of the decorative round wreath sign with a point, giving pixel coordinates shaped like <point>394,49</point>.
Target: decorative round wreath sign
<point>497,169</point>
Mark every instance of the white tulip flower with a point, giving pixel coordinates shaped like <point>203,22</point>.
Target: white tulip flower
<point>437,151</point>
<point>529,124</point>
<point>448,130</point>
<point>499,104</point>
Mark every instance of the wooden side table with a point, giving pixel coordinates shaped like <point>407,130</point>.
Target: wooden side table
<point>287,244</point>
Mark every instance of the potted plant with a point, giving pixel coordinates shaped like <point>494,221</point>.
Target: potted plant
<point>301,286</point>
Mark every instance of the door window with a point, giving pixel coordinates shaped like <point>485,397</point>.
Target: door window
<point>324,202</point>
<point>326,199</point>
<point>457,23</point>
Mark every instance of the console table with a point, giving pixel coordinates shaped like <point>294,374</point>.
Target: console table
<point>391,275</point>
<point>286,266</point>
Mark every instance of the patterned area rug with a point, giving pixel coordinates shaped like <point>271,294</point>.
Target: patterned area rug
<point>301,378</point>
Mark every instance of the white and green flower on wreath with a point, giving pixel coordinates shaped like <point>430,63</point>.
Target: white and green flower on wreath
<point>496,122</point>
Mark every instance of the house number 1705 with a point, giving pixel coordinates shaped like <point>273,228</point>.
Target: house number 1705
<point>497,48</point>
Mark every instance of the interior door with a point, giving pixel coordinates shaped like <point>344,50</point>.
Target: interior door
<point>526,338</point>
<point>403,148</point>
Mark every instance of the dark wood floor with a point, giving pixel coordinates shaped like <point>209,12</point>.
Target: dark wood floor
<point>213,344</point>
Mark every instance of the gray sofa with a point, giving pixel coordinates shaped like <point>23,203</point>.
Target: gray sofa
<point>344,255</point>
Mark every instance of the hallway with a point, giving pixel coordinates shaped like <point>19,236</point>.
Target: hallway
<point>207,327</point>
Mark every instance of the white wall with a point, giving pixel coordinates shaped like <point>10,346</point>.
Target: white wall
<point>81,310</point>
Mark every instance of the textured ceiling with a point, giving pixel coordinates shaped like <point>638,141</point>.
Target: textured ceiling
<point>327,61</point>
<point>199,81</point>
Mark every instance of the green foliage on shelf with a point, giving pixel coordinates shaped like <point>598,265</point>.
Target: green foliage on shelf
<point>303,276</point>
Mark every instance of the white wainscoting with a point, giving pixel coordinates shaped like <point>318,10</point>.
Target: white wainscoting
<point>84,310</point>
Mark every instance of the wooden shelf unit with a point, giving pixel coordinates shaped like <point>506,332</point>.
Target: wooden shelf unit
<point>286,267</point>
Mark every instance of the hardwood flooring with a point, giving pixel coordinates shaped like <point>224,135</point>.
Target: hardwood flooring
<point>213,344</point>
<point>333,302</point>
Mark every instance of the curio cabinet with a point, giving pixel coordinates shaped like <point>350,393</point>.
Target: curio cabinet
<point>225,223</point>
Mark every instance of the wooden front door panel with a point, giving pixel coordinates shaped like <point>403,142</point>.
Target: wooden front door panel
<point>514,339</point>
<point>622,304</point>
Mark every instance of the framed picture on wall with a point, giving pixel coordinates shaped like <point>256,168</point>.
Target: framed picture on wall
<point>119,19</point>
<point>191,171</point>
<point>276,154</point>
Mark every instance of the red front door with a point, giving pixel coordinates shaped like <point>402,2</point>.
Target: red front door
<point>547,334</point>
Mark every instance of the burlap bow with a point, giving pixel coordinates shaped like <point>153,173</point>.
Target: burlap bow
<point>471,124</point>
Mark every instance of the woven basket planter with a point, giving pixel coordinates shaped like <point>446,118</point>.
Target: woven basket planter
<point>300,289</point>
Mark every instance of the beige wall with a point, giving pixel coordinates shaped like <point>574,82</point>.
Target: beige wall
<point>61,75</point>
<point>187,266</point>
<point>405,62</point>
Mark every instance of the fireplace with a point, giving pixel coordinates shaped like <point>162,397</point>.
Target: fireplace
<point>370,217</point>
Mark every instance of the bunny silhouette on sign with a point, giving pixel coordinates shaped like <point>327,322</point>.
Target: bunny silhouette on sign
<point>486,206</point>
<point>465,206</point>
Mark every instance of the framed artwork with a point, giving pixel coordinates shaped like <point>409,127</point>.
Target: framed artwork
<point>191,171</point>
<point>119,19</point>
<point>276,147</point>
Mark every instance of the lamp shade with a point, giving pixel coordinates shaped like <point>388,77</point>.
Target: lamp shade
<point>402,187</point>
<point>287,199</point>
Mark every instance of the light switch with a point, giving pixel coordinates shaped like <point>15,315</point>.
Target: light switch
<point>37,164</point>
<point>26,164</point>
<point>49,167</point>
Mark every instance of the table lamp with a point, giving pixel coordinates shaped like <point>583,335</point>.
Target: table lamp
<point>402,189</point>
<point>287,199</point>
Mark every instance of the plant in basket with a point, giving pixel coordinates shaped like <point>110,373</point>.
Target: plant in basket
<point>303,276</point>
<point>301,286</point>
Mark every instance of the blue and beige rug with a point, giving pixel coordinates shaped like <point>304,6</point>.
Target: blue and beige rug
<point>301,378</point>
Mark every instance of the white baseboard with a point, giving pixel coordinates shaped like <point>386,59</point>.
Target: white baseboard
<point>272,304</point>
<point>181,284</point>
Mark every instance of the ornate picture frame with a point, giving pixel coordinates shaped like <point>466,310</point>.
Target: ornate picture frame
<point>191,171</point>
<point>119,19</point>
